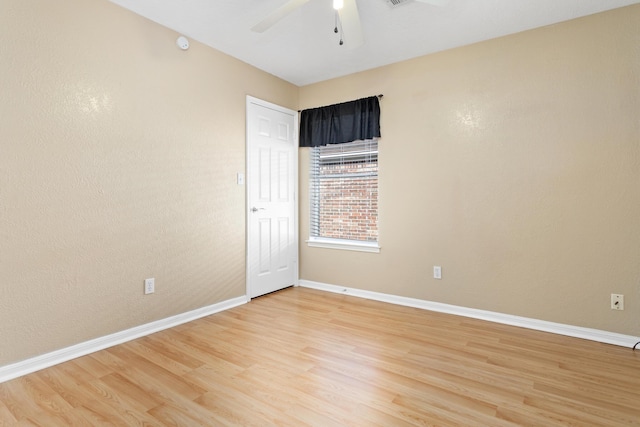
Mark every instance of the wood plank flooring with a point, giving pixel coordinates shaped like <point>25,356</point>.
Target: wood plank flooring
<point>301,357</point>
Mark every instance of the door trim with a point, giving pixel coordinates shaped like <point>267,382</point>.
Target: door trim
<point>256,101</point>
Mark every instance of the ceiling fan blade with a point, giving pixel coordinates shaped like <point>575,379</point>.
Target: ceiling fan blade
<point>434,2</point>
<point>277,15</point>
<point>351,26</point>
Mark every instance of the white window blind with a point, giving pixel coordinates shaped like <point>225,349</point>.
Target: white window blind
<point>344,192</point>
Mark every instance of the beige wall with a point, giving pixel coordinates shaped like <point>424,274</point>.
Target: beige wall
<point>118,155</point>
<point>515,165</point>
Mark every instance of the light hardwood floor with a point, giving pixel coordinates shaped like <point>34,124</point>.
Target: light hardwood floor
<point>302,357</point>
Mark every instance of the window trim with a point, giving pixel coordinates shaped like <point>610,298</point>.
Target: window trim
<point>344,244</point>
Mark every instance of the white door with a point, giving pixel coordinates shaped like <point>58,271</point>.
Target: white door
<point>272,160</point>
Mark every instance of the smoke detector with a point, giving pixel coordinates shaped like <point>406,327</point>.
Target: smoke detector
<point>182,43</point>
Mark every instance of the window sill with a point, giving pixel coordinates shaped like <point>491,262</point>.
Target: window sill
<point>347,245</point>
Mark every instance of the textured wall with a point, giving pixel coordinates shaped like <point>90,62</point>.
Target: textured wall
<point>515,165</point>
<point>118,155</point>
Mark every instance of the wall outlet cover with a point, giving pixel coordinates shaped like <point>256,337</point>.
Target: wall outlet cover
<point>617,302</point>
<point>149,286</point>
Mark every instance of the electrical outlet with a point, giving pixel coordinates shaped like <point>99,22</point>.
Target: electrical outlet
<point>149,286</point>
<point>617,302</point>
<point>437,272</point>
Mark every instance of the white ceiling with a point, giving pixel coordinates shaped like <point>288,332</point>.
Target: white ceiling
<point>303,49</point>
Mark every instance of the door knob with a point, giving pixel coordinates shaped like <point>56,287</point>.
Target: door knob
<point>254,209</point>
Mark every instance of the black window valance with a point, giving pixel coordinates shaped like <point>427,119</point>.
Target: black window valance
<point>340,123</point>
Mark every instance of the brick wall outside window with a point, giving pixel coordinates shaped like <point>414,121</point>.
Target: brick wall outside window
<point>346,194</point>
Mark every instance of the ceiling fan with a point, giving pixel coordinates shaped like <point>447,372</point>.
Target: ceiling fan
<point>347,17</point>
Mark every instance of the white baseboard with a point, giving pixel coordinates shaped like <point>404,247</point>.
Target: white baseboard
<point>15,370</point>
<point>507,319</point>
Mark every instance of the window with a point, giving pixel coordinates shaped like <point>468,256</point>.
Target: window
<point>344,196</point>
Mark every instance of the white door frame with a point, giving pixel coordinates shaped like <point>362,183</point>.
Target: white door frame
<point>252,100</point>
